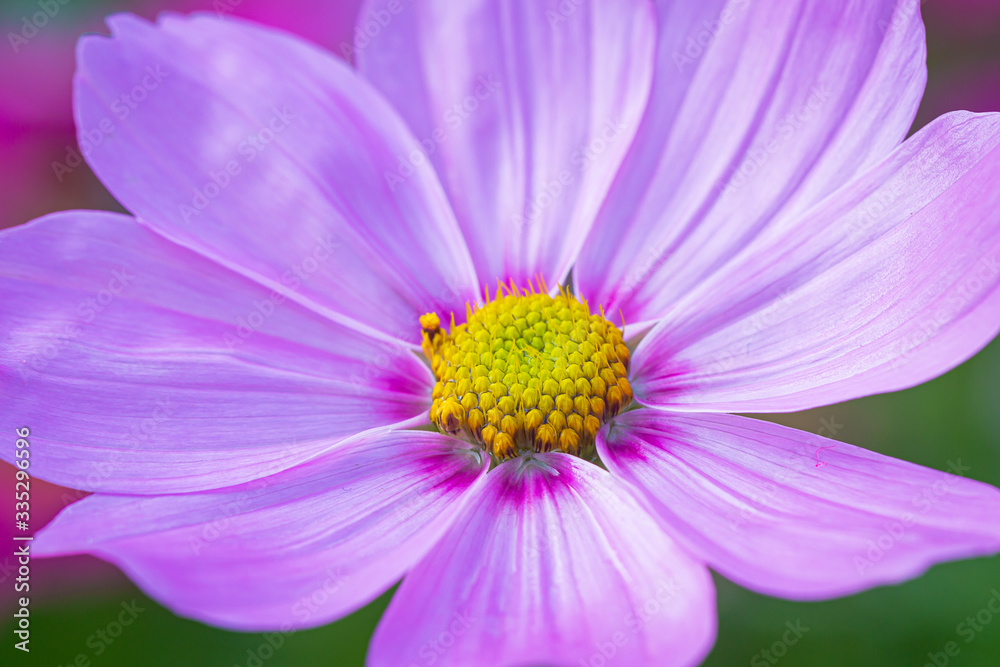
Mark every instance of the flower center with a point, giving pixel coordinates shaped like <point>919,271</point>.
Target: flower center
<point>527,372</point>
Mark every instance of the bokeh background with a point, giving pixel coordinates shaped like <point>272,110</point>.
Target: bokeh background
<point>956,417</point>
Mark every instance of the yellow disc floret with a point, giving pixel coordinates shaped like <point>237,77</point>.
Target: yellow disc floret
<point>527,372</point>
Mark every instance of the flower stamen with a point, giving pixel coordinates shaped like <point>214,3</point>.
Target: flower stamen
<point>527,372</point>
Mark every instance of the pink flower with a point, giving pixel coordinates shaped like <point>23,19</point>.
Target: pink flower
<point>239,371</point>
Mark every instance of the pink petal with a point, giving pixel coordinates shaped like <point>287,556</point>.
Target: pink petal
<point>141,367</point>
<point>298,549</point>
<point>888,284</point>
<point>554,563</point>
<point>525,108</point>
<point>758,110</point>
<point>791,514</point>
<point>249,146</point>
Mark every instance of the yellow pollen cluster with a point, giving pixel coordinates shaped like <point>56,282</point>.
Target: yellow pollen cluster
<point>527,372</point>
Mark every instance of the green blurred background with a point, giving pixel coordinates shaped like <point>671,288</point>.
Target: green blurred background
<point>954,417</point>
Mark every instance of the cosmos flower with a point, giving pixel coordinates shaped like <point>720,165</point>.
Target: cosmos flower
<point>478,313</point>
